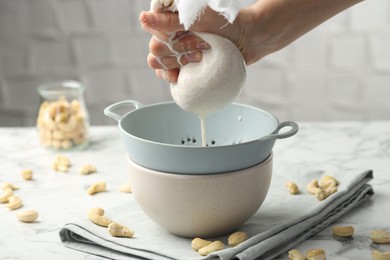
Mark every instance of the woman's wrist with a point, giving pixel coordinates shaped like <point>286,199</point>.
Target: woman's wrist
<point>270,25</point>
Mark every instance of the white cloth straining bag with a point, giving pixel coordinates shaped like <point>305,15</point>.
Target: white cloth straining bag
<point>190,10</point>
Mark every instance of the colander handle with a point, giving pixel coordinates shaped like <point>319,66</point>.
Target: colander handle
<point>108,111</point>
<point>277,135</point>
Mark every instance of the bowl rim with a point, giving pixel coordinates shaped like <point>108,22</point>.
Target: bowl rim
<point>194,147</point>
<point>267,161</point>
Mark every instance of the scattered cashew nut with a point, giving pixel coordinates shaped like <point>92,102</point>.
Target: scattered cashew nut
<point>316,254</point>
<point>87,169</point>
<point>62,159</point>
<point>27,174</point>
<point>376,255</point>
<point>28,216</point>
<point>14,202</point>
<point>295,255</point>
<point>237,238</point>
<point>198,243</point>
<point>8,192</point>
<point>61,163</point>
<point>125,187</point>
<point>97,187</point>
<point>213,247</point>
<point>118,230</point>
<point>323,194</point>
<point>292,187</point>
<point>380,236</point>
<point>60,168</point>
<point>343,231</point>
<point>327,186</point>
<point>9,185</point>
<point>328,181</point>
<point>313,187</point>
<point>96,215</point>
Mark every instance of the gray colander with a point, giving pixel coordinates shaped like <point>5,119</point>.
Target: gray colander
<point>165,138</point>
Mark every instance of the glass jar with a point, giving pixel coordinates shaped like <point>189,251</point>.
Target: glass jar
<point>63,119</point>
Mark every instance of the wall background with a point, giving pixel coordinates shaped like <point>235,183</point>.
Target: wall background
<point>339,71</point>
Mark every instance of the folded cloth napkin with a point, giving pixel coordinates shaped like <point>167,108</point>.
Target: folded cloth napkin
<point>282,222</point>
<point>189,11</point>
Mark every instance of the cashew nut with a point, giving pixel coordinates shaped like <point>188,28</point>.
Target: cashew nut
<point>28,216</point>
<point>56,144</point>
<point>118,230</point>
<point>61,163</point>
<point>10,186</point>
<point>328,181</point>
<point>376,255</point>
<point>97,187</point>
<point>27,174</point>
<point>66,144</point>
<point>96,215</point>
<point>295,255</point>
<point>380,236</point>
<point>322,194</point>
<point>237,238</point>
<point>14,202</point>
<point>198,243</point>
<point>292,187</point>
<point>313,187</point>
<point>60,167</point>
<point>87,169</point>
<point>125,187</point>
<point>62,159</point>
<point>8,192</point>
<point>343,231</point>
<point>68,126</point>
<point>316,254</point>
<point>327,187</point>
<point>213,247</point>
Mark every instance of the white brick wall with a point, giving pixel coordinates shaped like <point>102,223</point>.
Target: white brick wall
<point>339,71</point>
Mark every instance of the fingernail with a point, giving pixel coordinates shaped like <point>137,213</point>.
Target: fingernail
<point>149,19</point>
<point>159,74</point>
<point>203,46</point>
<point>164,75</point>
<point>170,76</point>
<point>195,56</point>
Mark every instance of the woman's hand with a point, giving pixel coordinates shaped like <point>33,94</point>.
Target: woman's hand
<point>263,28</point>
<point>165,26</point>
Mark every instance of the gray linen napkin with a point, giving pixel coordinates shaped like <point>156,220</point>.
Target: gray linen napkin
<point>282,222</point>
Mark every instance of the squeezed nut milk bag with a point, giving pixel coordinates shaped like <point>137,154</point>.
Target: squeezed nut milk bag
<point>217,80</point>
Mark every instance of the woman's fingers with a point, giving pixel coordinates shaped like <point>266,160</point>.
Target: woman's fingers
<point>173,61</point>
<point>168,75</point>
<point>186,42</point>
<point>166,27</point>
<point>189,42</point>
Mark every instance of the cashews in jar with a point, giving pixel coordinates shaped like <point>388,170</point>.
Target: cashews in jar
<point>62,118</point>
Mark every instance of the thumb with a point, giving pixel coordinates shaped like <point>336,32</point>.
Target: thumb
<point>163,22</point>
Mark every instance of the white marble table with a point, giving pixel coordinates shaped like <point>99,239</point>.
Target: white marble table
<point>62,197</point>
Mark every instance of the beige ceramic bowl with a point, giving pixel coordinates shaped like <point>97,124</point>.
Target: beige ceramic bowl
<point>200,205</point>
